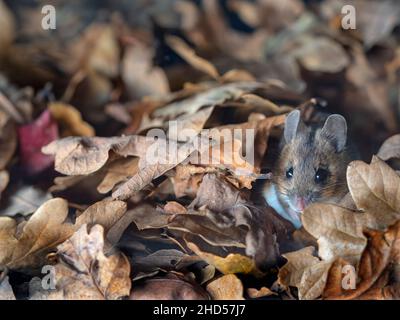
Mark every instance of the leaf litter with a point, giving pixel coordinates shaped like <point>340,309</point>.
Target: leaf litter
<point>80,195</point>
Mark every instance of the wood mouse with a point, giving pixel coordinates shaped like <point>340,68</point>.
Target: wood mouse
<point>311,166</point>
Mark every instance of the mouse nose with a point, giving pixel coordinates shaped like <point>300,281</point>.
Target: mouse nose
<point>301,202</point>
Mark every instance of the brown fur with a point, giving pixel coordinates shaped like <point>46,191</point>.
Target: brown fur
<point>307,152</point>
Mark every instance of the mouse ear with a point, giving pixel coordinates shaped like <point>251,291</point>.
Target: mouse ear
<point>335,129</point>
<point>291,125</point>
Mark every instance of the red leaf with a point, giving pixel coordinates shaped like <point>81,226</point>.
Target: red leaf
<point>32,137</point>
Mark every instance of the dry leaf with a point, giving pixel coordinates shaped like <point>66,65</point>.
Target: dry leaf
<point>306,272</point>
<point>117,172</point>
<point>107,213</point>
<point>85,272</point>
<point>26,245</point>
<point>199,223</point>
<point>8,139</point>
<point>84,155</point>
<point>4,180</point>
<point>367,94</point>
<point>187,126</point>
<point>228,40</point>
<point>232,263</point>
<point>6,291</point>
<point>162,162</point>
<point>264,231</point>
<point>70,120</point>
<point>173,207</point>
<point>140,76</point>
<point>227,287</point>
<point>211,97</point>
<point>260,293</point>
<point>32,137</point>
<point>190,57</point>
<point>6,26</point>
<point>390,148</point>
<point>97,51</point>
<point>323,55</point>
<point>187,179</point>
<point>380,256</point>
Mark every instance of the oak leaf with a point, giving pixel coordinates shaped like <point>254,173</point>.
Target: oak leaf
<point>227,287</point>
<point>377,266</point>
<point>304,271</point>
<point>390,148</point>
<point>85,272</point>
<point>232,263</point>
<point>26,245</point>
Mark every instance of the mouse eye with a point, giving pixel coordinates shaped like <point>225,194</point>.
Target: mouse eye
<point>289,173</point>
<point>321,175</point>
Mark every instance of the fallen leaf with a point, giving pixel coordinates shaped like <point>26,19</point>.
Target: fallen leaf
<point>366,92</point>
<point>45,229</point>
<point>70,120</point>
<point>157,161</point>
<point>8,139</point>
<point>97,50</point>
<point>165,259</point>
<point>32,137</point>
<point>380,256</point>
<point>200,224</point>
<point>227,40</point>
<point>26,245</point>
<point>306,272</point>
<point>187,179</point>
<point>85,272</point>
<point>7,27</point>
<point>118,171</point>
<point>260,293</point>
<point>173,207</point>
<point>375,20</point>
<point>6,291</point>
<point>230,208</point>
<point>187,126</point>
<point>375,187</point>
<point>323,55</point>
<point>264,105</point>
<point>232,263</point>
<point>211,97</point>
<point>4,179</point>
<point>227,287</point>
<point>140,76</point>
<point>106,213</point>
<point>84,155</point>
<point>390,148</point>
<point>190,56</point>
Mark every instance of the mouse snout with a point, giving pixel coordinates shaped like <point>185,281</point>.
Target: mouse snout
<point>299,203</point>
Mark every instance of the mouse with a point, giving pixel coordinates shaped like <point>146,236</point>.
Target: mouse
<point>310,168</point>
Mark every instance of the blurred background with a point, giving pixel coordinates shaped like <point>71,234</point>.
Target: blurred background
<point>104,56</point>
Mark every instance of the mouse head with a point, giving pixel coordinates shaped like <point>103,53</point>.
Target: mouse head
<point>312,164</point>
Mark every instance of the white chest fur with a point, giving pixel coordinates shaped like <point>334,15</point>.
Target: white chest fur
<point>276,201</point>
